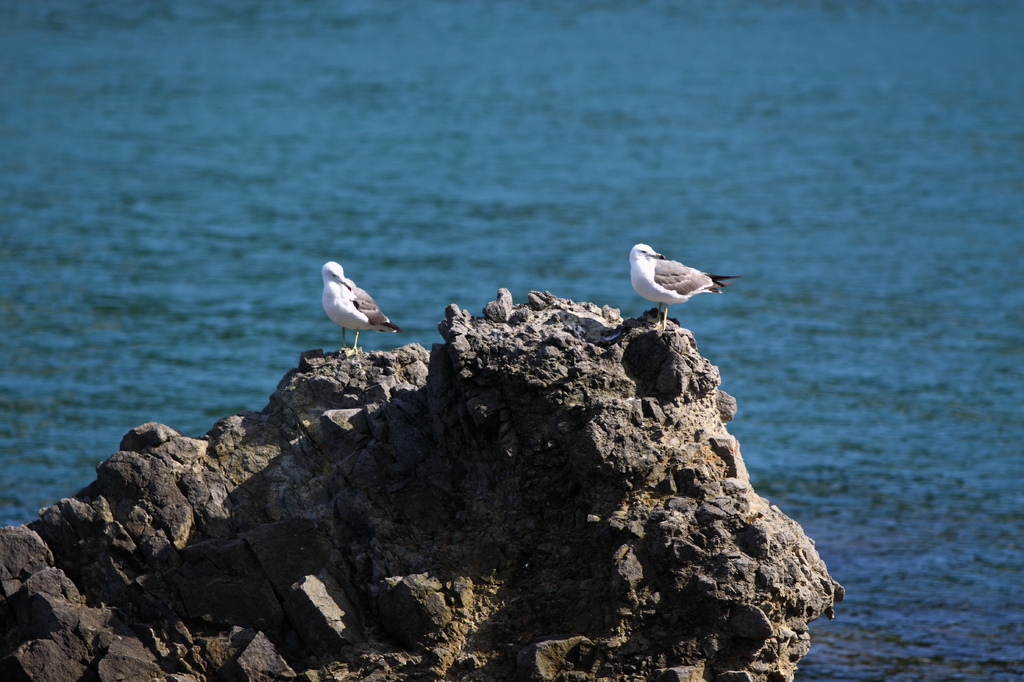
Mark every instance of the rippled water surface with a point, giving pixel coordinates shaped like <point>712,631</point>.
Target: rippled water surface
<point>173,175</point>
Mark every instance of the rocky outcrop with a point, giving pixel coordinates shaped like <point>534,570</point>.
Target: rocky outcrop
<point>550,494</point>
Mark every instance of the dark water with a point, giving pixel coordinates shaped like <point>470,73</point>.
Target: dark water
<point>172,176</point>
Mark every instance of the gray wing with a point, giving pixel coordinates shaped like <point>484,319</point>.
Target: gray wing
<point>367,306</point>
<point>679,278</point>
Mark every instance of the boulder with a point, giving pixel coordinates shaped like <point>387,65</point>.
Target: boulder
<point>550,493</point>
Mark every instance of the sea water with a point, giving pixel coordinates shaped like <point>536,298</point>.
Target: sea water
<point>173,175</point>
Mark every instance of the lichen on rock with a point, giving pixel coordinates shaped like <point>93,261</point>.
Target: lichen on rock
<point>549,494</point>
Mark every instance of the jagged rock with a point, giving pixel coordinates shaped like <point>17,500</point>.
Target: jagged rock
<point>499,309</point>
<point>413,609</point>
<point>22,554</point>
<point>221,582</point>
<point>256,660</point>
<point>38,660</point>
<point>128,659</point>
<point>682,673</point>
<point>322,614</point>
<point>415,515</point>
<point>750,622</point>
<point>557,658</point>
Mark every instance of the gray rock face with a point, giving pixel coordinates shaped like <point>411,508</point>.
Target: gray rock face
<point>550,494</point>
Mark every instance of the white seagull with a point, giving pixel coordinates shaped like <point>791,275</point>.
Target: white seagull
<point>350,307</point>
<point>666,281</point>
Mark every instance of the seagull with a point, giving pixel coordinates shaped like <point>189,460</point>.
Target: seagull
<point>666,281</point>
<point>350,307</point>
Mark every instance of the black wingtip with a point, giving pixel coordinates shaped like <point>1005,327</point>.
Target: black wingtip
<point>719,280</point>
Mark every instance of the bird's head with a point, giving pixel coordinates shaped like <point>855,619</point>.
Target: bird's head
<point>333,273</point>
<point>642,251</point>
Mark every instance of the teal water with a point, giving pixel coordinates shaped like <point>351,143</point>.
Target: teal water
<point>172,176</point>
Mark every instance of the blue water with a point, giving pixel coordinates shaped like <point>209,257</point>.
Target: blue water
<point>172,176</point>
